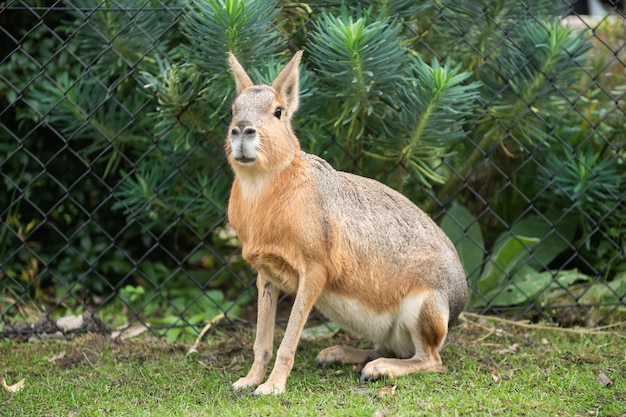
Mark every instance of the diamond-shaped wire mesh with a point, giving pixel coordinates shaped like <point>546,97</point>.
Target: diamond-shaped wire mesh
<point>102,215</point>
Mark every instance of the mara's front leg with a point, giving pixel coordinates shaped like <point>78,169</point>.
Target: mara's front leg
<point>309,288</point>
<point>264,342</point>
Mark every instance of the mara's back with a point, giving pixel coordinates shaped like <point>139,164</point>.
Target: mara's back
<point>380,239</point>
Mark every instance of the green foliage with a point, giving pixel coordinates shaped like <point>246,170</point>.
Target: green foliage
<point>113,133</point>
<point>588,183</point>
<point>177,311</point>
<point>383,9</point>
<point>191,115</point>
<point>592,187</point>
<point>529,64</point>
<point>532,81</point>
<point>365,58</point>
<point>505,261</point>
<point>433,114</point>
<point>89,122</point>
<point>511,275</point>
<point>392,105</point>
<point>245,27</point>
<point>464,231</point>
<point>484,26</point>
<point>119,39</point>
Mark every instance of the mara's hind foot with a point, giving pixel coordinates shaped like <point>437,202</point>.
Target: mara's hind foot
<point>427,333</point>
<point>345,355</point>
<point>391,367</point>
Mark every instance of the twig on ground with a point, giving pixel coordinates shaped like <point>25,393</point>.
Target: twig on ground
<point>526,325</point>
<point>194,348</point>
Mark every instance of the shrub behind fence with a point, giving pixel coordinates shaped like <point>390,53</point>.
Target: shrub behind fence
<point>504,120</point>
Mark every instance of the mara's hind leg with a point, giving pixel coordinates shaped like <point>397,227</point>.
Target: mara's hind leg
<point>428,333</point>
<point>345,355</point>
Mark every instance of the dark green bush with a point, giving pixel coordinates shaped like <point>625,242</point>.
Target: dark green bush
<point>114,178</point>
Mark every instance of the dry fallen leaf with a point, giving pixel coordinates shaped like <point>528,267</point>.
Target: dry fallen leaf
<point>69,323</point>
<point>387,391</point>
<point>604,380</point>
<point>495,375</point>
<point>12,388</point>
<point>55,358</point>
<point>512,349</point>
<point>126,332</point>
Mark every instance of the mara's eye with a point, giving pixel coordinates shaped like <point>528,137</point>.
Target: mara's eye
<point>278,112</point>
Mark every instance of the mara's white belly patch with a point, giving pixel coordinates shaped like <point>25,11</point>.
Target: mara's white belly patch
<point>391,329</point>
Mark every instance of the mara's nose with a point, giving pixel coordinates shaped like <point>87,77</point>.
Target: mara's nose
<point>243,128</point>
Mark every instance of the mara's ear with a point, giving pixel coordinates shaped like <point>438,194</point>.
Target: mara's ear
<point>242,80</point>
<point>286,83</point>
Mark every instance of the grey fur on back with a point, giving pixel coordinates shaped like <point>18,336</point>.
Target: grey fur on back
<point>377,219</point>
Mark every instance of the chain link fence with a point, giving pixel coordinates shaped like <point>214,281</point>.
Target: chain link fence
<point>110,216</point>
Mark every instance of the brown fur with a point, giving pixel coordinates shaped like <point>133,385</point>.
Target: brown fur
<point>363,253</point>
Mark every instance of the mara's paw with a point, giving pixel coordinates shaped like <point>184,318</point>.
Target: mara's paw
<point>245,382</point>
<point>390,368</point>
<point>269,388</point>
<point>375,369</point>
<point>329,356</point>
<point>344,354</point>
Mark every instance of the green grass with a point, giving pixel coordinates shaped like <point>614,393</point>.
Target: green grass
<point>549,374</point>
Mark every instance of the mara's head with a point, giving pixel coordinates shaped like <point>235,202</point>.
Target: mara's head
<point>260,136</point>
